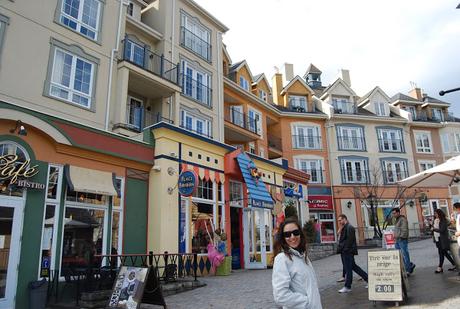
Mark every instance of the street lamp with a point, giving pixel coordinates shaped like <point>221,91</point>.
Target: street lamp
<point>443,92</point>
<point>371,198</point>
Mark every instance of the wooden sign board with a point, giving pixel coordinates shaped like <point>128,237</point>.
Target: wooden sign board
<point>128,288</point>
<point>385,275</point>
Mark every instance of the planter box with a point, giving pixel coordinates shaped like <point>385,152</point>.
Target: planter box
<point>225,268</point>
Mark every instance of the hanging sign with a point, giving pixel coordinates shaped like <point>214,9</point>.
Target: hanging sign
<point>11,169</point>
<point>187,183</point>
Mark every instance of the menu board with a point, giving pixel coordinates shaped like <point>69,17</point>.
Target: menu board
<point>385,275</point>
<point>128,288</point>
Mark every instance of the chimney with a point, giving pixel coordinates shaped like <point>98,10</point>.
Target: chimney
<point>288,72</point>
<point>416,93</point>
<point>277,85</point>
<point>345,75</point>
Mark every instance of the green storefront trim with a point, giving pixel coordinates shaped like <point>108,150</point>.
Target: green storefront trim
<point>135,221</point>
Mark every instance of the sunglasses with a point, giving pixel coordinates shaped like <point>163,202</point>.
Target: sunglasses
<point>289,233</point>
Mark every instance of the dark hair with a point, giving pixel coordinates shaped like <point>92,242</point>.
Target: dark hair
<point>343,216</point>
<point>396,209</point>
<point>281,244</point>
<point>441,214</point>
<point>457,205</point>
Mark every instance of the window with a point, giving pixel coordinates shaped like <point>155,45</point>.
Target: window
<point>195,36</point>
<point>255,121</point>
<point>135,113</point>
<point>354,170</point>
<point>445,142</point>
<point>263,95</point>
<point>195,124</point>
<point>312,167</point>
<point>351,138</point>
<point>236,115</point>
<point>437,114</point>
<point>306,137</point>
<point>72,78</point>
<point>11,149</point>
<point>424,165</point>
<point>457,142</point>
<point>244,83</point>
<point>4,21</point>
<point>413,112</point>
<point>261,152</point>
<point>342,106</point>
<point>236,194</point>
<point>82,16</point>
<point>394,171</point>
<point>196,84</point>
<point>380,109</point>
<point>134,52</point>
<point>252,148</point>
<point>130,9</point>
<point>423,142</point>
<point>390,140</point>
<point>298,103</point>
<point>204,190</point>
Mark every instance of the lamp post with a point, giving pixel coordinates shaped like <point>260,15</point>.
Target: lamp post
<point>371,198</point>
<point>443,92</point>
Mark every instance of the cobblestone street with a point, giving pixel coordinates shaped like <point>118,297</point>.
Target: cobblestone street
<point>252,288</point>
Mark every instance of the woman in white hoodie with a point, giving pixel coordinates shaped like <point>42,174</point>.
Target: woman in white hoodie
<point>294,279</point>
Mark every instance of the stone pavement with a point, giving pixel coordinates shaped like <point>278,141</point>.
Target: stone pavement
<point>252,288</point>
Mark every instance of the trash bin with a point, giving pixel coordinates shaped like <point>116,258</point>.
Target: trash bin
<point>38,291</point>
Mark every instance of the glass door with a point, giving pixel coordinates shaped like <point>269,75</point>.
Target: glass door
<point>254,238</point>
<point>10,224</point>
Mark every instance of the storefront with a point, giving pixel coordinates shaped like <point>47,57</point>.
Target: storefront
<point>64,197</point>
<point>295,192</point>
<point>322,213</point>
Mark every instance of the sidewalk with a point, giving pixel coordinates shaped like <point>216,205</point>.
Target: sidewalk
<point>427,290</point>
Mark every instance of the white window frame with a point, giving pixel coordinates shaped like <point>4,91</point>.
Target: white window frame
<point>79,19</point>
<point>347,137</point>
<point>445,143</point>
<point>310,165</point>
<point>412,111</point>
<point>437,114</point>
<point>261,152</point>
<point>257,117</point>
<point>380,109</point>
<point>195,121</point>
<point>262,95</point>
<point>354,171</point>
<point>457,141</point>
<point>198,30</point>
<point>131,100</point>
<point>194,75</point>
<point>391,173</point>
<point>237,115</point>
<point>306,137</point>
<point>236,188</point>
<point>70,89</point>
<point>252,147</point>
<point>298,101</point>
<point>391,140</point>
<point>244,83</point>
<point>342,105</point>
<point>425,164</point>
<point>423,136</point>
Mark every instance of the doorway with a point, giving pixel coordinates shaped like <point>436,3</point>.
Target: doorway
<point>254,238</point>
<point>235,221</point>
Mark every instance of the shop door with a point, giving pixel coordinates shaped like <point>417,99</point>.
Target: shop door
<point>254,238</point>
<point>10,230</point>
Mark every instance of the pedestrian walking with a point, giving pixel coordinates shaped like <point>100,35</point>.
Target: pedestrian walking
<point>441,238</point>
<point>457,226</point>
<point>339,232</point>
<point>401,231</point>
<point>293,279</point>
<point>348,249</point>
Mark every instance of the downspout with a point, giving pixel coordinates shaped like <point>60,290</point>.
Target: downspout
<point>173,33</point>
<point>329,126</point>
<point>112,56</point>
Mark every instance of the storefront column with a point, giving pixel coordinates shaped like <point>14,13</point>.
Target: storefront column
<point>121,95</point>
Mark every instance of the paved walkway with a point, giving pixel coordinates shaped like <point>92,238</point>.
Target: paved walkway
<point>252,288</point>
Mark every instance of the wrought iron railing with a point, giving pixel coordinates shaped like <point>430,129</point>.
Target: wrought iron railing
<point>138,118</point>
<point>306,142</point>
<point>351,143</point>
<point>316,175</point>
<point>355,176</point>
<point>202,133</point>
<point>195,89</point>
<point>150,61</point>
<point>391,144</point>
<point>194,43</point>
<point>242,120</point>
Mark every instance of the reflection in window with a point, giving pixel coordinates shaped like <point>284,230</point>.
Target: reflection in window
<point>53,183</point>
<point>87,198</point>
<point>47,240</point>
<point>202,216</point>
<point>204,190</point>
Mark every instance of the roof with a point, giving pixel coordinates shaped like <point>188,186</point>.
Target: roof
<point>214,20</point>
<point>370,93</point>
<point>402,97</point>
<point>338,81</point>
<point>433,100</point>
<point>312,69</point>
<point>237,66</point>
<point>292,81</point>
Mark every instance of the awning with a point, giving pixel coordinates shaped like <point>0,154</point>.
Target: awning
<point>258,195</point>
<point>91,181</point>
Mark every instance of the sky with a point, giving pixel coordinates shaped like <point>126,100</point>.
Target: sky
<point>392,44</point>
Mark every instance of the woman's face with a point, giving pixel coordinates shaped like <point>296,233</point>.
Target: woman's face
<point>293,241</point>
<point>436,215</point>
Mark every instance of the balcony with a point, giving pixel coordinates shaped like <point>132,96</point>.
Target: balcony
<point>149,61</point>
<point>196,90</point>
<point>316,175</point>
<point>354,176</point>
<point>341,107</point>
<point>351,143</point>
<point>138,118</point>
<point>195,44</point>
<point>199,132</point>
<point>275,147</point>
<point>241,120</point>
<point>306,142</point>
<point>391,145</point>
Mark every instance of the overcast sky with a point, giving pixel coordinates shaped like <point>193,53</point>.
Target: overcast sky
<point>386,43</point>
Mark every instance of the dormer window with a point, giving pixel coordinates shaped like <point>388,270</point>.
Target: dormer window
<point>262,95</point>
<point>244,83</point>
<point>380,109</point>
<point>437,114</point>
<point>298,103</point>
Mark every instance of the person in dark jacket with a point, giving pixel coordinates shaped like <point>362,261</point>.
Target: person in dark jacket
<point>348,249</point>
<point>441,237</point>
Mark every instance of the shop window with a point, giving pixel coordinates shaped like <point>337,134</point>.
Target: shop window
<point>83,237</point>
<point>53,183</point>
<point>220,193</point>
<point>202,217</point>
<point>236,194</point>
<point>204,190</point>
<point>116,239</point>
<point>86,198</point>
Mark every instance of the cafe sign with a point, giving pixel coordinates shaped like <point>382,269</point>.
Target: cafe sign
<point>187,183</point>
<point>14,171</point>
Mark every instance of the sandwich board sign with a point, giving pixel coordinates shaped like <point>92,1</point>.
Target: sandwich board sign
<point>386,276</point>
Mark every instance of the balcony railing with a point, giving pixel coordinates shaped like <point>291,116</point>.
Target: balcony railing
<point>344,108</point>
<point>274,142</point>
<point>199,132</point>
<point>194,43</point>
<point>316,175</point>
<point>196,90</point>
<point>306,142</point>
<point>355,175</point>
<point>138,118</point>
<point>150,61</point>
<point>392,145</point>
<point>242,120</point>
<point>391,177</point>
<point>351,143</point>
